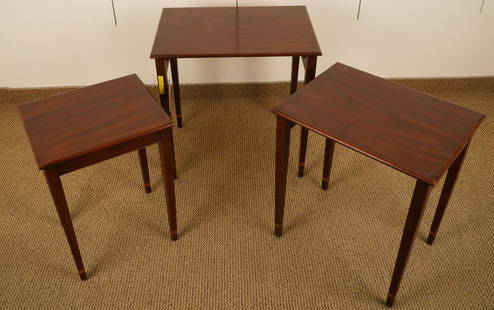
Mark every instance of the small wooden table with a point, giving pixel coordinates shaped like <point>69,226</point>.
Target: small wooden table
<point>415,133</point>
<point>92,124</point>
<point>234,32</point>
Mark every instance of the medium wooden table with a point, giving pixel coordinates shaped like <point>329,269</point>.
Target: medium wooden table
<point>415,133</point>
<point>234,32</point>
<point>86,126</point>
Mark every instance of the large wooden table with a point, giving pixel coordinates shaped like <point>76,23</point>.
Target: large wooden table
<point>88,125</point>
<point>415,133</point>
<point>234,32</point>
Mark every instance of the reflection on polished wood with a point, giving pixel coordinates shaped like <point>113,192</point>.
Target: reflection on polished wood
<point>412,132</point>
<point>231,32</point>
<point>92,124</point>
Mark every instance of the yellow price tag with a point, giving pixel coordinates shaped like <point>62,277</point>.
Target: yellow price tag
<point>161,84</point>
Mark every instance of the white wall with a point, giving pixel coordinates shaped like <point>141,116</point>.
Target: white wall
<point>74,42</point>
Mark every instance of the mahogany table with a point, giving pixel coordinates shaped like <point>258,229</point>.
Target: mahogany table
<point>415,133</point>
<point>234,32</point>
<point>86,126</point>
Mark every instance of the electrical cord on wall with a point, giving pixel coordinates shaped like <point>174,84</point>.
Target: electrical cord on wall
<point>114,15</point>
<point>358,11</point>
<point>482,6</point>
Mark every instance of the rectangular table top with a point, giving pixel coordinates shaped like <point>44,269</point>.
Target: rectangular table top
<point>89,119</point>
<point>410,131</point>
<point>235,32</point>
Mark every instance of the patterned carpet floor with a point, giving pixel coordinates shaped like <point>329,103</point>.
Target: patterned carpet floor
<point>339,246</point>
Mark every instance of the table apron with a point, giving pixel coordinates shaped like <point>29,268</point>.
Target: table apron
<point>107,153</point>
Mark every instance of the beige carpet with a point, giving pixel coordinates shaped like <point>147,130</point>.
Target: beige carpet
<point>339,246</point>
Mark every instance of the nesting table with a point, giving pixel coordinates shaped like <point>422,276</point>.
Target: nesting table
<point>86,126</point>
<point>231,32</point>
<point>234,32</point>
<point>412,132</point>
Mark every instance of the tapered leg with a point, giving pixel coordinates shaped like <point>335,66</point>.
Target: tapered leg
<point>448,186</point>
<point>310,63</point>
<point>162,73</point>
<point>415,213</point>
<point>328,160</point>
<point>166,157</point>
<point>176,90</point>
<point>304,136</point>
<point>294,80</point>
<point>56,190</point>
<point>282,150</point>
<point>174,163</point>
<point>143,160</point>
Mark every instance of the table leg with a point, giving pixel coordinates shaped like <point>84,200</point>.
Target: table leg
<point>415,213</point>
<point>282,150</point>
<point>294,80</point>
<point>176,90</point>
<point>162,73</point>
<point>174,163</point>
<point>304,136</point>
<point>448,187</point>
<point>166,157</point>
<point>310,63</point>
<point>328,159</point>
<point>143,160</point>
<point>58,196</point>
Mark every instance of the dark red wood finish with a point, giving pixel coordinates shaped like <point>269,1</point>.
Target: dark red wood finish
<point>328,161</point>
<point>448,186</point>
<point>414,217</point>
<point>91,118</point>
<point>309,63</point>
<point>235,32</point>
<point>412,132</point>
<point>310,74</point>
<point>56,189</point>
<point>176,90</point>
<point>294,78</point>
<point>167,170</point>
<point>283,127</point>
<point>143,161</point>
<point>86,126</point>
<point>230,32</point>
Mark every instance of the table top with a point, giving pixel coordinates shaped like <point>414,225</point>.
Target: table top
<point>410,131</point>
<point>235,32</point>
<point>89,119</point>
